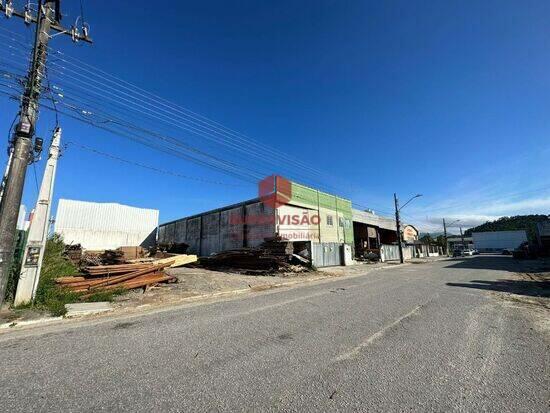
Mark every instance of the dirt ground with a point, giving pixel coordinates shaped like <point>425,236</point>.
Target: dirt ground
<point>198,282</point>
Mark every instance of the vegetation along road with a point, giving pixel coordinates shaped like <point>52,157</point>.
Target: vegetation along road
<point>441,336</point>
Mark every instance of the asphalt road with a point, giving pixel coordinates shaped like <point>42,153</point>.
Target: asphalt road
<point>393,340</point>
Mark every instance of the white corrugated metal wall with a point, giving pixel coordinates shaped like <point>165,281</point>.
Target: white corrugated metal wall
<point>498,240</point>
<point>98,226</point>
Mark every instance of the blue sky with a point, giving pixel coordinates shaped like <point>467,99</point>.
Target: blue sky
<point>447,99</point>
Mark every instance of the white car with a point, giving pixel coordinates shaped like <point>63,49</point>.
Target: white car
<point>467,253</point>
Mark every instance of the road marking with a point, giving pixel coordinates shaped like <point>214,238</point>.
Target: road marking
<point>371,339</point>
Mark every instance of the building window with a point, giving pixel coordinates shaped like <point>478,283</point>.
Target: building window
<point>341,222</point>
<point>329,221</point>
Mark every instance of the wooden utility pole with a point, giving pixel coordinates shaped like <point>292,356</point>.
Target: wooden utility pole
<point>398,228</point>
<point>47,19</point>
<point>445,237</point>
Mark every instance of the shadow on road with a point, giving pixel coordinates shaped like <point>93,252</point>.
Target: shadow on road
<point>500,263</point>
<point>532,288</point>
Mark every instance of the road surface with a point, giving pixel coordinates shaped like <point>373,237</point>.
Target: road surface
<point>417,337</point>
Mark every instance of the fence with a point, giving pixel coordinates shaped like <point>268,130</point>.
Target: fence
<point>391,253</point>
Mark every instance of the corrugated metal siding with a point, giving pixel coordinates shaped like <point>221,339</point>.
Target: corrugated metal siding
<point>373,219</point>
<point>222,229</point>
<point>326,254</point>
<point>98,226</point>
<point>498,240</point>
<point>391,253</point>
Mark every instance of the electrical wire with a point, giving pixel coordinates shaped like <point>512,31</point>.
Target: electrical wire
<point>164,149</point>
<point>194,122</point>
<point>35,178</point>
<point>152,168</point>
<point>80,64</point>
<point>194,127</point>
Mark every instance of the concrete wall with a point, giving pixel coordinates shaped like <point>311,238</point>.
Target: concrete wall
<point>232,228</point>
<point>240,226</point>
<point>260,223</point>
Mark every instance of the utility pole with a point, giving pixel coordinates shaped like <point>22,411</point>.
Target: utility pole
<point>445,237</point>
<point>398,228</point>
<point>38,230</point>
<point>462,238</point>
<point>47,19</point>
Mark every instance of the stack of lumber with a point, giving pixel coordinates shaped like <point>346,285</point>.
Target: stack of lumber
<point>105,280</point>
<point>123,276</point>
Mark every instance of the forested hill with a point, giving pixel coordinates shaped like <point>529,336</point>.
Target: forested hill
<point>526,222</point>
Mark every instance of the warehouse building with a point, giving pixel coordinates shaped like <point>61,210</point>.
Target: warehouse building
<point>325,223</point>
<point>101,226</point>
<point>456,242</point>
<point>371,231</point>
<point>284,208</point>
<point>497,241</point>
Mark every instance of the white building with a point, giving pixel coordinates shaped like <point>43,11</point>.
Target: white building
<point>100,226</point>
<point>496,241</point>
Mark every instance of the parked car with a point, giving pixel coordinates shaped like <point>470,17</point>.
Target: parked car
<point>475,252</point>
<point>467,253</point>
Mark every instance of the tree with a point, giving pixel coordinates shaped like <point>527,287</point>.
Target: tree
<point>427,239</point>
<point>518,222</point>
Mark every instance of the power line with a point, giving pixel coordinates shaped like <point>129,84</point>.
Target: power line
<point>193,124</point>
<point>152,168</point>
<point>197,124</point>
<point>153,145</point>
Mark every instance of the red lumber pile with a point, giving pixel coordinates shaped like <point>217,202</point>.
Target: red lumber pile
<point>112,277</point>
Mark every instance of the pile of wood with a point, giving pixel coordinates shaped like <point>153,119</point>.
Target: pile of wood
<point>274,255</point>
<point>112,257</point>
<point>123,276</point>
<point>73,253</point>
<point>277,247</point>
<point>243,258</point>
<point>105,280</point>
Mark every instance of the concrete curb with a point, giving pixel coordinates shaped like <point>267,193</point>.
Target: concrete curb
<point>39,321</point>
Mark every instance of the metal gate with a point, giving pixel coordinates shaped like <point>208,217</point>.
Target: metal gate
<point>326,254</point>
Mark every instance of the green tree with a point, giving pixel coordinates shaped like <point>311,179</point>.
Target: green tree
<point>518,222</point>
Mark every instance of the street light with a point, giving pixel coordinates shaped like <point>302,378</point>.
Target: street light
<point>398,224</point>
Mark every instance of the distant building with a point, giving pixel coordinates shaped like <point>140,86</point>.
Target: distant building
<point>22,223</point>
<point>459,243</point>
<point>410,234</point>
<point>543,235</point>
<point>100,226</point>
<point>496,241</point>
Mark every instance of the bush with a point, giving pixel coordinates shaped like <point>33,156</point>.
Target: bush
<point>49,295</point>
<point>55,264</point>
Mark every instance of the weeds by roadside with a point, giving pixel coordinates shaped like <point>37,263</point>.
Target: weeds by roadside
<point>49,296</point>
